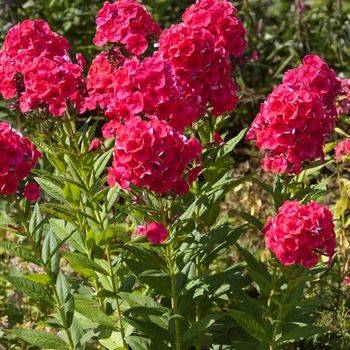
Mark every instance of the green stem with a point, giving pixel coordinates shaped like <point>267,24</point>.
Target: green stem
<point>174,299</point>
<point>114,287</point>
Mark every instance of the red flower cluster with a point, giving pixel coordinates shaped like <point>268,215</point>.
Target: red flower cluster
<point>190,70</point>
<point>155,232</point>
<point>123,88</point>
<point>315,76</point>
<point>294,121</point>
<point>298,233</point>
<point>18,157</point>
<point>342,150</point>
<point>35,67</point>
<point>200,65</point>
<point>152,155</point>
<point>126,22</point>
<point>219,17</point>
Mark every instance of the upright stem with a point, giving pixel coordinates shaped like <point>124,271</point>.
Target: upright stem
<point>174,299</point>
<point>114,287</point>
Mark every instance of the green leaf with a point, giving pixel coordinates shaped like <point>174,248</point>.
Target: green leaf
<point>50,188</point>
<point>35,290</point>
<point>149,328</point>
<point>21,251</point>
<point>198,328</point>
<point>257,271</point>
<point>40,339</point>
<point>66,299</point>
<point>50,253</point>
<point>87,309</point>
<point>68,233</point>
<point>231,144</point>
<point>250,324</point>
<point>134,300</point>
<point>83,265</point>
<point>36,223</point>
<point>101,163</point>
<point>301,332</point>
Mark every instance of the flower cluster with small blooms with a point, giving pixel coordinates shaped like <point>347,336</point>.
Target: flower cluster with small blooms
<point>125,22</point>
<point>198,64</point>
<point>315,76</point>
<point>296,118</point>
<point>219,17</point>
<point>342,150</point>
<point>155,232</point>
<point>32,192</point>
<point>343,101</point>
<point>299,233</point>
<point>188,71</point>
<point>123,88</point>
<point>18,157</point>
<point>152,155</point>
<point>35,67</point>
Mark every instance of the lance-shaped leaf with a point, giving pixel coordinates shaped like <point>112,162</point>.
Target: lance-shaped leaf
<point>36,291</point>
<point>65,298</point>
<point>42,340</point>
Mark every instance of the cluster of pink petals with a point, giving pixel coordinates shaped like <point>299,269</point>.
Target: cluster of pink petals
<point>219,17</point>
<point>124,88</point>
<point>152,155</point>
<point>342,150</point>
<point>299,233</point>
<point>297,117</point>
<point>343,102</point>
<point>189,71</point>
<point>155,232</point>
<point>200,65</point>
<point>315,76</point>
<point>18,157</point>
<point>125,22</point>
<point>35,67</point>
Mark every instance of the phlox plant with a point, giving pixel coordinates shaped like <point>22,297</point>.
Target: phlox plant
<point>115,192</point>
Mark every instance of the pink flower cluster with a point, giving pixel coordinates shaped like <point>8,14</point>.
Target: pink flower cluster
<point>150,102</point>
<point>126,22</point>
<point>155,232</point>
<point>219,17</point>
<point>35,68</point>
<point>152,155</point>
<point>295,120</point>
<point>190,70</point>
<point>299,233</point>
<point>18,157</point>
<point>342,150</point>
<point>200,66</point>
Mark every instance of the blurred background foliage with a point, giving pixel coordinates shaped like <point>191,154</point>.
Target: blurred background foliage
<point>279,34</point>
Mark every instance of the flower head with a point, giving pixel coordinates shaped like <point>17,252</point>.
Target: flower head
<point>152,155</point>
<point>35,68</point>
<point>125,22</point>
<point>18,157</point>
<point>155,232</point>
<point>219,17</point>
<point>299,233</point>
<point>297,117</point>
